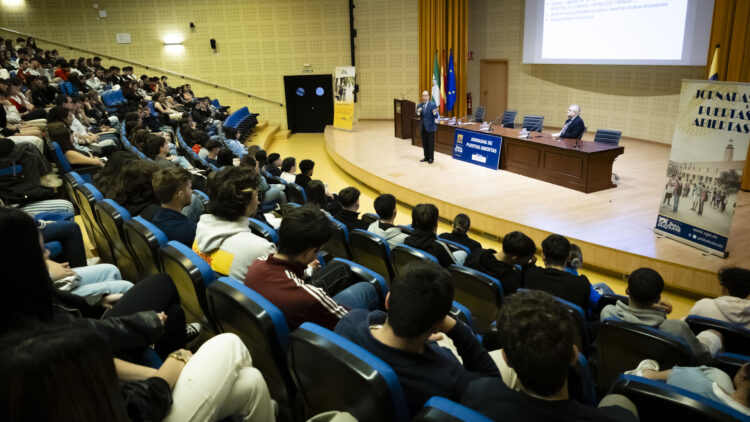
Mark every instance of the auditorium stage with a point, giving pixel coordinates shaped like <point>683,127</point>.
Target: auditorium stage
<point>614,228</point>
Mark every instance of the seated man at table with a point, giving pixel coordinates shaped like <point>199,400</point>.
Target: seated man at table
<point>573,127</point>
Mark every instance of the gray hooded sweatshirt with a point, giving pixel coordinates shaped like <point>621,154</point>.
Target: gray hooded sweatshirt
<point>701,346</point>
<point>393,235</point>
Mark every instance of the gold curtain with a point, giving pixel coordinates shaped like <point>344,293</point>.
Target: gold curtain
<point>731,30</point>
<point>443,25</point>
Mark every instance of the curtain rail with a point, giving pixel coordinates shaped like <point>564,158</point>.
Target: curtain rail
<point>158,69</point>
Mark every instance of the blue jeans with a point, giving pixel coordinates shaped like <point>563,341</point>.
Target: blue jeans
<point>360,295</point>
<point>68,233</point>
<point>275,193</point>
<point>700,380</point>
<point>101,279</point>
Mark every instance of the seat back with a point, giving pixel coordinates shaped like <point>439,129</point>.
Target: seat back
<point>60,159</point>
<point>369,218</point>
<point>581,387</point>
<point>479,292</point>
<point>262,328</point>
<point>533,123</point>
<point>338,245</point>
<point>404,254</point>
<point>439,409</point>
<point>479,114</point>
<point>372,251</point>
<point>509,118</point>
<point>234,119</point>
<point>295,193</point>
<point>659,401</point>
<point>736,338</point>
<point>144,240</point>
<point>263,230</point>
<point>362,273</point>
<point>71,180</point>
<point>203,197</point>
<point>332,373</point>
<point>579,318</point>
<point>611,137</point>
<point>112,218</point>
<point>87,196</point>
<point>191,275</point>
<point>621,346</point>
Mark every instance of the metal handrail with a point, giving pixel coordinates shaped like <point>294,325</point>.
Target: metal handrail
<point>158,69</point>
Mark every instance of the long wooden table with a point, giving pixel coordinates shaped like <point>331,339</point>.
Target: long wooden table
<point>587,168</point>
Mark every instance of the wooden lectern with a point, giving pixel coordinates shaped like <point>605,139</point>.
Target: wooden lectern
<point>403,112</point>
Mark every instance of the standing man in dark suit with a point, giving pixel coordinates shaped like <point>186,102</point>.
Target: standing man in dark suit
<point>428,114</point>
<point>574,126</point>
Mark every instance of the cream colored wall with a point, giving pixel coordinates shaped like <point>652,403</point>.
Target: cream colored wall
<point>639,100</point>
<point>258,43</point>
<point>387,55</point>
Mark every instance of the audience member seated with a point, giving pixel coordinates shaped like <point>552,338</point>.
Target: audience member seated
<point>271,194</point>
<point>575,260</point>
<point>280,276</point>
<point>424,220</point>
<point>61,361</point>
<point>59,132</point>
<point>148,313</point>
<point>172,186</point>
<point>136,194</point>
<point>274,164</point>
<point>11,123</point>
<point>212,149</point>
<point>99,284</point>
<point>553,279</point>
<point>200,139</point>
<point>348,215</point>
<point>734,303</point>
<point>508,266</point>
<point>22,103</point>
<point>306,168</point>
<point>109,179</point>
<point>42,96</point>
<point>461,226</point>
<point>711,383</point>
<point>100,144</point>
<point>537,336</point>
<point>224,158</point>
<point>316,195</point>
<point>417,308</point>
<point>160,105</point>
<point>157,149</point>
<point>385,207</point>
<point>288,168</point>
<point>223,237</point>
<point>646,308</point>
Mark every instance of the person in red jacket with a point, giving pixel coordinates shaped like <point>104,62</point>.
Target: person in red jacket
<point>280,277</point>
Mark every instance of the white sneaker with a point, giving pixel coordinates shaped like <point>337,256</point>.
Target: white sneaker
<point>645,364</point>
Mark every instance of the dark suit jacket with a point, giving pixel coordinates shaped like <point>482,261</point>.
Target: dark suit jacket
<point>575,129</point>
<point>426,116</point>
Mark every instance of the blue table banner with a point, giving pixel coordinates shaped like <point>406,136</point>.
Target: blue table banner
<point>477,148</point>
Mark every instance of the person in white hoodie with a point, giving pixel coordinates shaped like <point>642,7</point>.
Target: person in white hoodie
<point>223,237</point>
<point>385,206</point>
<point>734,303</point>
<point>646,308</point>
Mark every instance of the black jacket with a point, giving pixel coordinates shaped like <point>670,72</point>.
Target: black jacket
<point>427,241</point>
<point>484,260</point>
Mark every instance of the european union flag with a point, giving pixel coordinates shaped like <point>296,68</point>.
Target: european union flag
<point>451,92</point>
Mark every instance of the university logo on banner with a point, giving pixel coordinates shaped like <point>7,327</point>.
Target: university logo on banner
<point>343,98</point>
<point>709,146</point>
<point>478,148</point>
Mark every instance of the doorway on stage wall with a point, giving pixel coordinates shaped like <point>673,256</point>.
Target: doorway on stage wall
<point>309,102</point>
<point>493,87</point>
